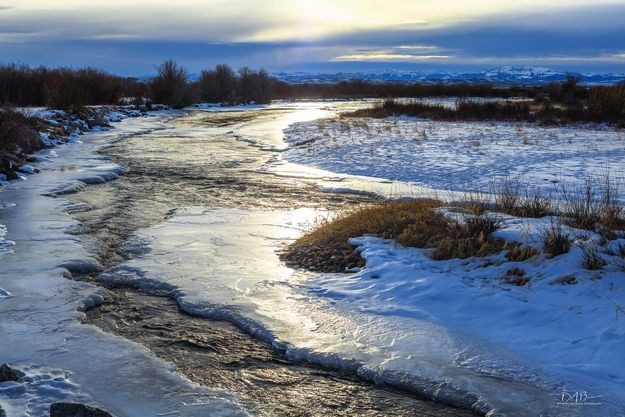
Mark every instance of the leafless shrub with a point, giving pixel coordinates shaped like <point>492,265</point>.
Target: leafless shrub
<point>608,103</point>
<point>171,86</point>
<point>218,85</point>
<point>254,86</point>
<point>517,199</point>
<point>591,259</point>
<point>595,207</point>
<point>62,88</point>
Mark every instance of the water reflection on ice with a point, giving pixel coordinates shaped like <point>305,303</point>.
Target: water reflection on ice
<point>222,263</point>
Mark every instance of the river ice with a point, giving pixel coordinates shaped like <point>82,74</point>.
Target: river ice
<point>41,309</point>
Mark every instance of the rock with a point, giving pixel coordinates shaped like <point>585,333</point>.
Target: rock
<point>9,374</point>
<point>76,410</point>
<point>2,413</point>
<point>27,169</point>
<point>82,266</point>
<point>11,175</point>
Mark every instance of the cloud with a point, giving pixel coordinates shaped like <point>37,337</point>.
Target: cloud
<point>133,36</point>
<point>400,53</point>
<point>388,57</point>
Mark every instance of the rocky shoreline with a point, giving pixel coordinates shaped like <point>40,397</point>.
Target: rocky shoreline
<point>47,129</point>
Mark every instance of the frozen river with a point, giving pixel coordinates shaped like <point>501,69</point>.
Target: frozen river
<point>204,203</point>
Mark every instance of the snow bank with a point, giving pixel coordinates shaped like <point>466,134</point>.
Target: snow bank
<point>6,246</point>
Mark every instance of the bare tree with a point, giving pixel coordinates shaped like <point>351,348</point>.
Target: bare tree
<point>170,86</point>
<point>218,85</point>
<point>254,86</point>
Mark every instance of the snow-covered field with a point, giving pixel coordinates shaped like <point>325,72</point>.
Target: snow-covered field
<point>40,308</point>
<point>458,156</point>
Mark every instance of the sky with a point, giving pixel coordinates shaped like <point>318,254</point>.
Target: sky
<point>132,37</point>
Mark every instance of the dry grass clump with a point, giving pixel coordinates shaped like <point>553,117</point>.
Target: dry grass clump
<point>326,247</point>
<point>565,280</point>
<point>590,257</point>
<point>556,240</point>
<point>595,207</point>
<point>515,276</point>
<point>474,203</point>
<point>420,224</point>
<point>518,253</point>
<point>411,223</point>
<point>517,199</point>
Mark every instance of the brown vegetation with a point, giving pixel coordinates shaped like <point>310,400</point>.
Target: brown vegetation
<point>69,89</point>
<point>556,240</point>
<point>421,224</point>
<point>596,206</point>
<point>62,88</point>
<point>518,253</point>
<point>515,276</point>
<point>518,199</point>
<point>603,105</point>
<point>171,85</point>
<point>411,223</point>
<point>591,259</point>
<point>19,135</point>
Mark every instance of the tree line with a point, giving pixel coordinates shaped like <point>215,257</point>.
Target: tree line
<point>224,85</point>
<point>71,89</point>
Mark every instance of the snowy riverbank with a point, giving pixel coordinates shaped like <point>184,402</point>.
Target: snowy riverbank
<point>41,308</point>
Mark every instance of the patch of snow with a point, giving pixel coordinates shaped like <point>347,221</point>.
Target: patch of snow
<point>4,293</point>
<point>6,246</point>
<point>458,156</point>
<point>27,169</point>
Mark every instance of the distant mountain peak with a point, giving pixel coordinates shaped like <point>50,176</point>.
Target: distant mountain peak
<point>503,75</point>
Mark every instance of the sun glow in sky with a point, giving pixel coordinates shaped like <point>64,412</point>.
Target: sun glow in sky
<point>130,36</point>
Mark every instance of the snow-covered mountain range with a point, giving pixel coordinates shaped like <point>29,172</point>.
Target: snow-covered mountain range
<point>497,75</point>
